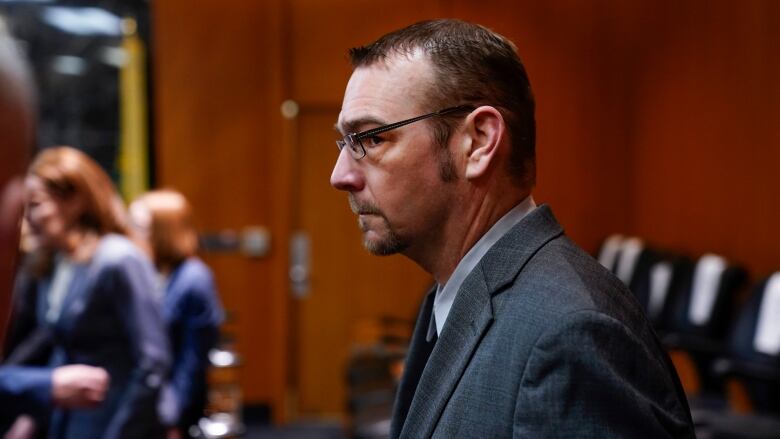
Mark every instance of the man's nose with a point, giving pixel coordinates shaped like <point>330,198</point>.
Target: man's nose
<point>346,175</point>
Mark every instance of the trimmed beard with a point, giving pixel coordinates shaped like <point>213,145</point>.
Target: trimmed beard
<point>391,244</point>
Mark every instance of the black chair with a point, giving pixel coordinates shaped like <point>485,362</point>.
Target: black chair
<point>701,316</point>
<point>627,257</point>
<point>610,251</point>
<point>655,277</point>
<point>753,364</point>
<point>703,313</point>
<point>754,347</point>
<point>659,285</point>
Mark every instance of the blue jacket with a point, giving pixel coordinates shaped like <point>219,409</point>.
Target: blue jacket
<point>192,313</point>
<point>24,389</point>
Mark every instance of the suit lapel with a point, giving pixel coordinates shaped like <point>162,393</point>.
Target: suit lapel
<point>417,357</point>
<point>469,319</point>
<point>42,304</point>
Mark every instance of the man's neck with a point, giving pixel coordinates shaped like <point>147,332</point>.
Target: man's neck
<point>462,230</point>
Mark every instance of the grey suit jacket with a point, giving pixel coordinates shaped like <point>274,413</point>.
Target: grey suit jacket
<point>541,341</point>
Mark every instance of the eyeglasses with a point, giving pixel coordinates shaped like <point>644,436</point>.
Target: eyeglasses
<point>355,140</point>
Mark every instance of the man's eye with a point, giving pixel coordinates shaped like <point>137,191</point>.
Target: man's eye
<point>372,141</point>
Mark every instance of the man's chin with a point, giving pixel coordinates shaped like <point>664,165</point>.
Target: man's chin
<point>382,246</point>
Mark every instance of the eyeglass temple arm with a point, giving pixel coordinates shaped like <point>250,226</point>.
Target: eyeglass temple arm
<point>393,126</point>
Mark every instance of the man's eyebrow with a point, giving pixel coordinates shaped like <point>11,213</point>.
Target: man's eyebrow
<point>356,125</point>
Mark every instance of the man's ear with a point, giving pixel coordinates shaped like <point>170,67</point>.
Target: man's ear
<point>486,127</point>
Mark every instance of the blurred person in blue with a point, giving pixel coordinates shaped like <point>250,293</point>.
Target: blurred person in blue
<point>191,308</point>
<point>27,389</point>
<point>95,292</point>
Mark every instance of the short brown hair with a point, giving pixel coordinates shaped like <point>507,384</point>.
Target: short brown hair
<point>172,235</point>
<point>473,66</point>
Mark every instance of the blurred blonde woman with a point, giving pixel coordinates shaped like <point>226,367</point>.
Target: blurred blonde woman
<point>95,292</point>
<point>191,308</point>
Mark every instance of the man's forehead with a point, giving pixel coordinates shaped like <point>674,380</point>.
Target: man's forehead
<point>393,88</point>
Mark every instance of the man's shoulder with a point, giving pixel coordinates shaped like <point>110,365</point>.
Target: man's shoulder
<point>562,263</point>
<point>561,290</point>
<point>537,275</point>
<point>561,278</point>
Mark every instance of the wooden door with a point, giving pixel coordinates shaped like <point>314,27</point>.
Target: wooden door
<point>217,82</point>
<point>347,287</point>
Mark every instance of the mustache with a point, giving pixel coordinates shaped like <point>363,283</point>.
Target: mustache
<point>363,207</point>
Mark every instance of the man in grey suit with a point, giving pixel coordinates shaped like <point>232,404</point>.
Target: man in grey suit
<point>525,335</point>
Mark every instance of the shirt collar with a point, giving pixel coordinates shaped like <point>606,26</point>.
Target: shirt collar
<point>445,294</point>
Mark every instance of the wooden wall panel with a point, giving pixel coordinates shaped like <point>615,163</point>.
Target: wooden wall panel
<point>707,137</point>
<point>349,287</point>
<point>320,34</point>
<point>654,118</point>
<point>218,91</point>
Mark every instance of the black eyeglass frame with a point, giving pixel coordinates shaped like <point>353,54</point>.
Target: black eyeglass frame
<point>354,140</point>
